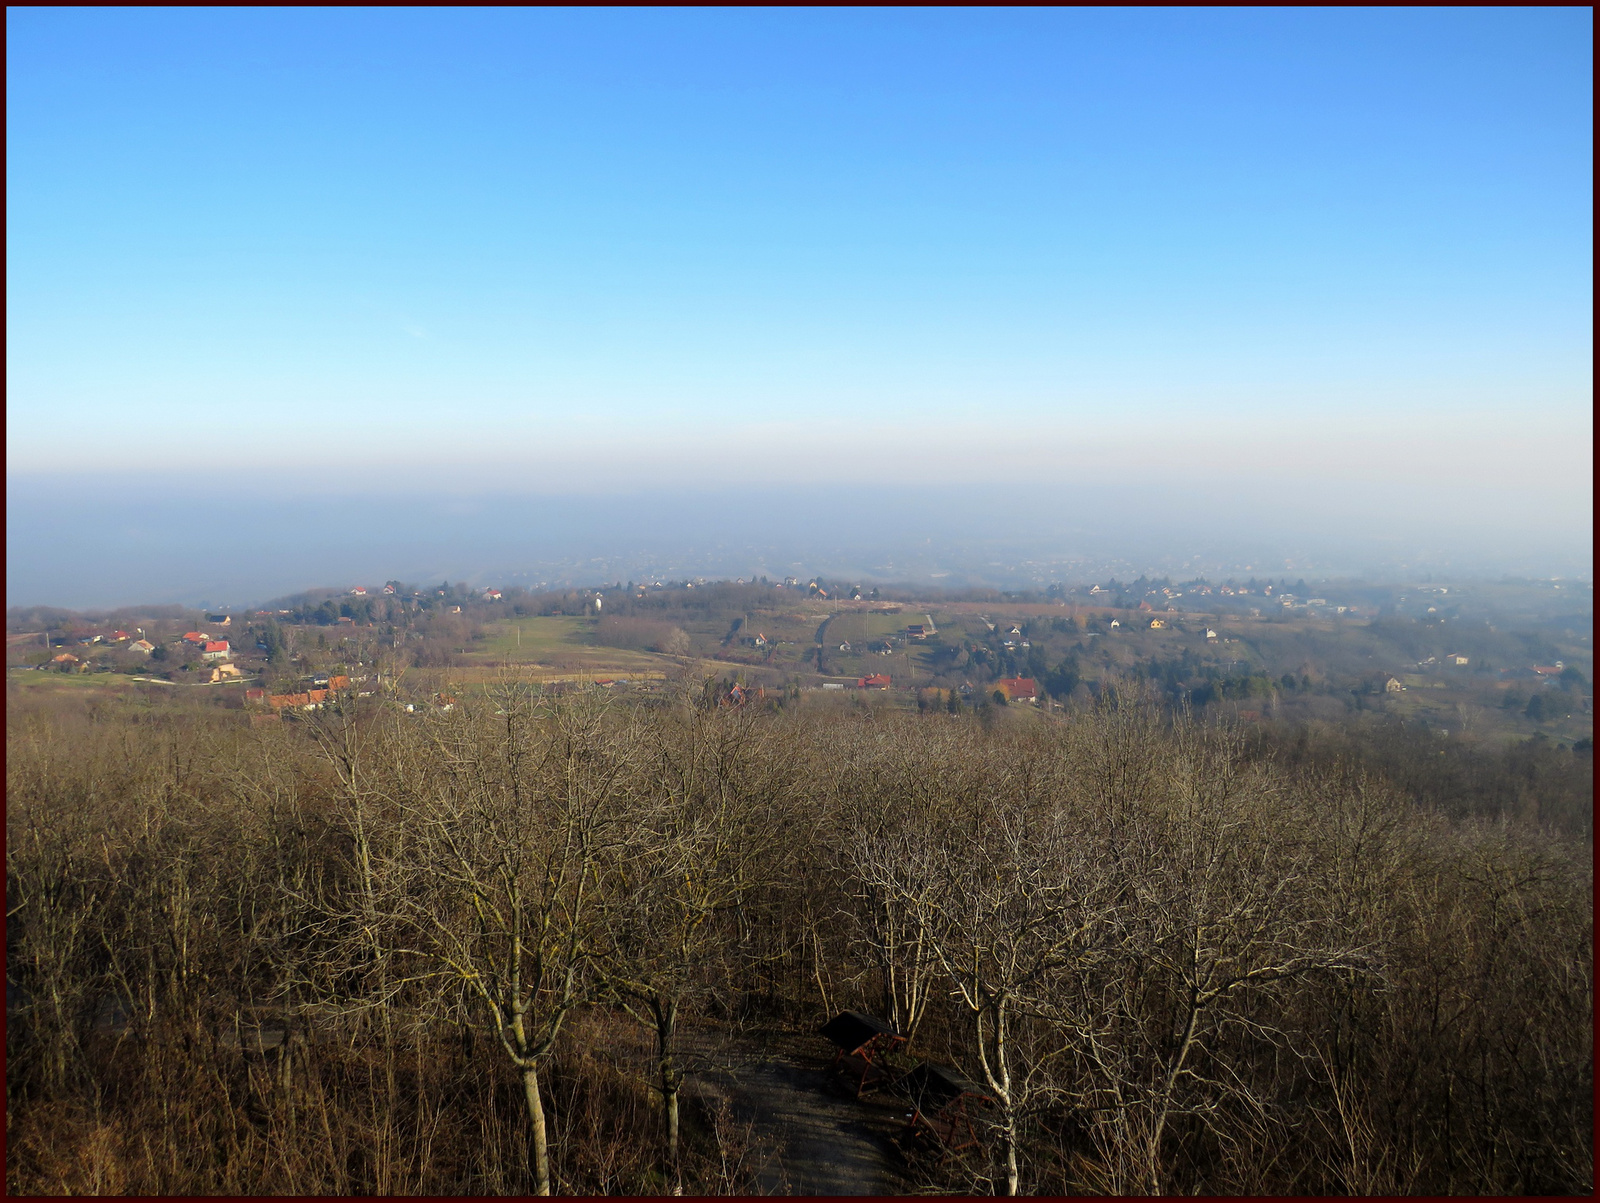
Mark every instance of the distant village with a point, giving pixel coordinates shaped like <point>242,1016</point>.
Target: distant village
<point>1255,647</point>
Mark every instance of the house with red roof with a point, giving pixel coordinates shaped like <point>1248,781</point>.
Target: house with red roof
<point>875,681</point>
<point>308,700</point>
<point>216,650</point>
<point>1019,689</point>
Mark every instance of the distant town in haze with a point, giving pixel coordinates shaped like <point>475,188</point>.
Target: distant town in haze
<point>1477,661</point>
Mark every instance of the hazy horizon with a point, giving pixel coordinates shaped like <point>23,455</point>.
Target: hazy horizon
<point>204,547</point>
<point>301,297</point>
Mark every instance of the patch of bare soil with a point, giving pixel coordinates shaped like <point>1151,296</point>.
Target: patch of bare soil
<point>813,1136</point>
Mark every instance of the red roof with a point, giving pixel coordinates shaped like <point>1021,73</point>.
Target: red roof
<point>194,637</point>
<point>1020,687</point>
<point>217,646</point>
<point>279,701</point>
<point>875,681</point>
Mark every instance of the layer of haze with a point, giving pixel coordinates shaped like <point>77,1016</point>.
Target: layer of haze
<point>298,296</point>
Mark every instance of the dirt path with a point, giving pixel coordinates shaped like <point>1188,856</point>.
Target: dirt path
<point>813,1137</point>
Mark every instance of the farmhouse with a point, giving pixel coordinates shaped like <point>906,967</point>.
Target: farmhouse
<point>875,681</point>
<point>1019,689</point>
<point>216,650</point>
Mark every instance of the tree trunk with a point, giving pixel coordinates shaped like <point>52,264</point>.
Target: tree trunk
<point>670,1093</point>
<point>666,1017</point>
<point>998,1074</point>
<point>1000,1051</point>
<point>541,1147</point>
<point>1164,1108</point>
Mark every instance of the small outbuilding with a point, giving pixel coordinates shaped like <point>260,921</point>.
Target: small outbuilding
<point>944,1105</point>
<point>862,1042</point>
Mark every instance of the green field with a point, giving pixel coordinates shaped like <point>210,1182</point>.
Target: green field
<point>529,639</point>
<point>33,679</point>
<point>865,627</point>
<point>562,642</point>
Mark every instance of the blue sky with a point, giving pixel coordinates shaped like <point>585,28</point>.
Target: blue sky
<point>536,249</point>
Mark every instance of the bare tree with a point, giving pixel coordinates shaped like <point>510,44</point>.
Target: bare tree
<point>696,845</point>
<point>501,875</point>
<point>894,797</point>
<point>1015,906</point>
<point>1221,913</point>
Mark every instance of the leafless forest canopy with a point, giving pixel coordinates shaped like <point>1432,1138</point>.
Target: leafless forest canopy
<point>463,951</point>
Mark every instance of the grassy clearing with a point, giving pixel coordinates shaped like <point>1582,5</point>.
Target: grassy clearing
<point>33,679</point>
<point>558,648</point>
<point>867,627</point>
<point>528,640</point>
<point>489,674</point>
